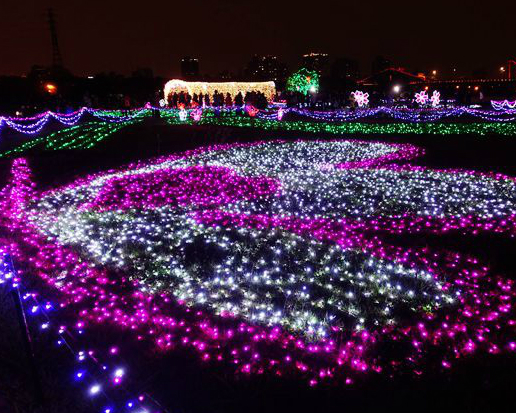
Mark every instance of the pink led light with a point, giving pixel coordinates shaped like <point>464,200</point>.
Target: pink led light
<point>421,97</point>
<point>361,98</point>
<point>198,185</point>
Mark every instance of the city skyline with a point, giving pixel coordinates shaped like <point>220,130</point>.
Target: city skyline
<point>96,37</point>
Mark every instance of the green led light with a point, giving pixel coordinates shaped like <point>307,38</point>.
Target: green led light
<point>89,134</point>
<point>429,128</point>
<point>303,81</point>
<point>82,136</point>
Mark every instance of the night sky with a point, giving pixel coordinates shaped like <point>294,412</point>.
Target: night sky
<point>114,35</point>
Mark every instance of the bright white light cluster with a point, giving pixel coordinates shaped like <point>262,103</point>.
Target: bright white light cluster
<point>312,187</point>
<point>273,159</point>
<point>363,192</point>
<point>269,277</point>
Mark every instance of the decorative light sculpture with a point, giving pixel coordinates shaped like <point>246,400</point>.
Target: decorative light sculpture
<point>436,98</point>
<point>196,114</point>
<point>251,110</point>
<point>361,98</point>
<point>209,88</point>
<point>303,81</point>
<point>421,97</point>
<point>183,114</point>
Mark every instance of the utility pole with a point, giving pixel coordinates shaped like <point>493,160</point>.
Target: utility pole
<point>57,60</point>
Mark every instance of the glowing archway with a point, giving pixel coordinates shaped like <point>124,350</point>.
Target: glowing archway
<point>209,88</point>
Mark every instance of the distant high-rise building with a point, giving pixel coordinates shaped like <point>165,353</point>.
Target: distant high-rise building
<point>345,69</point>
<point>226,76</point>
<point>316,61</point>
<point>379,64</point>
<point>266,68</point>
<point>189,68</point>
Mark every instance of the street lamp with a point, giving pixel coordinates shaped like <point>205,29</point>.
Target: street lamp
<point>51,88</point>
<point>396,88</point>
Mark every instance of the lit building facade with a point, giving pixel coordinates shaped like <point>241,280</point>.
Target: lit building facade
<point>189,67</point>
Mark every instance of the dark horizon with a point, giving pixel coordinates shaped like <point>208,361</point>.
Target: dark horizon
<point>98,37</point>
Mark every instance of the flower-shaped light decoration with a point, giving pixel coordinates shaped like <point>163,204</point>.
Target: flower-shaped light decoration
<point>421,97</point>
<point>251,110</point>
<point>183,115</point>
<point>270,256</point>
<point>196,114</point>
<point>361,98</point>
<point>436,98</point>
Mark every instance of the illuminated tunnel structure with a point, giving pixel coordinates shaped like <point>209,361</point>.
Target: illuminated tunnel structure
<point>233,88</point>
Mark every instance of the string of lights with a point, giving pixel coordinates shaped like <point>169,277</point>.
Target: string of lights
<point>102,372</point>
<point>430,128</point>
<point>83,136</point>
<point>404,114</point>
<point>88,134</point>
<point>503,105</point>
<point>266,256</point>
<point>35,124</point>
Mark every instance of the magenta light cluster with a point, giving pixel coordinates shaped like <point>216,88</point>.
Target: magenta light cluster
<point>197,185</point>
